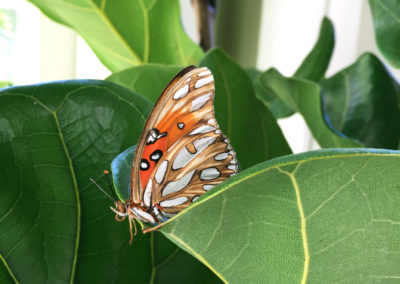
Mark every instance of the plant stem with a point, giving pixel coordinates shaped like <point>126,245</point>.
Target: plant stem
<point>203,22</point>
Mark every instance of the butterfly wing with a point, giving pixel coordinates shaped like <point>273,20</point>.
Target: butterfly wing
<point>181,153</point>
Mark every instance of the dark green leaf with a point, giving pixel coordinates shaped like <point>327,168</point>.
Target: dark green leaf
<point>127,33</point>
<point>320,217</point>
<point>121,167</point>
<point>55,226</point>
<point>274,93</point>
<point>317,61</point>
<point>147,80</point>
<point>386,16</point>
<point>250,126</point>
<point>304,97</point>
<point>253,73</point>
<point>362,103</point>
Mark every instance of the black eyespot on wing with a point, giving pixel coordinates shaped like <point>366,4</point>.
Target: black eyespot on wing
<point>144,165</point>
<point>156,155</point>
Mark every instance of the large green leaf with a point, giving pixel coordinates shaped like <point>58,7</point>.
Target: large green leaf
<point>149,80</point>
<point>55,226</point>
<point>317,61</point>
<point>328,216</point>
<point>361,102</point>
<point>304,97</point>
<point>248,124</point>
<point>386,16</point>
<point>127,33</point>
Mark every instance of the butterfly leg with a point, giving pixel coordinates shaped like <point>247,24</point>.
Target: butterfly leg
<point>132,220</point>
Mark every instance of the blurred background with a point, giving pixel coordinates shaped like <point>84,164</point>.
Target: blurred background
<point>35,49</point>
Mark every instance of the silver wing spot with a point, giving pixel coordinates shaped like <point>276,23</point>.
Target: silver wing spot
<point>209,174</point>
<point>201,82</point>
<point>175,186</point>
<point>174,202</point>
<point>181,92</point>
<point>184,156</point>
<point>200,101</point>
<point>202,129</point>
<point>208,186</point>
<point>147,193</point>
<point>160,173</point>
<point>221,156</point>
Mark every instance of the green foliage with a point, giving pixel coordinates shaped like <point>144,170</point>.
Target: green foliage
<point>322,217</point>
<point>4,84</point>
<point>149,80</point>
<point>325,216</point>
<point>317,61</point>
<point>237,109</point>
<point>127,33</point>
<point>303,97</point>
<point>386,15</point>
<point>54,138</point>
<point>361,102</point>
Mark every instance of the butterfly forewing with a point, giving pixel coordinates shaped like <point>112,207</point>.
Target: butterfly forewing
<point>181,153</point>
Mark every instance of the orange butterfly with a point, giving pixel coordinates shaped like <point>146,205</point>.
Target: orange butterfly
<point>181,153</point>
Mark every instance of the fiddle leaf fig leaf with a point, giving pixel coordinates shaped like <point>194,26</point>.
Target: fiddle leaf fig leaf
<point>124,34</point>
<point>320,217</point>
<point>55,225</point>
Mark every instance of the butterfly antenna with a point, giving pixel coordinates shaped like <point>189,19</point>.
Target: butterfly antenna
<point>106,173</point>
<point>99,187</point>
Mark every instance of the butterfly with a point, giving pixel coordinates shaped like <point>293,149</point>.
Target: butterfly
<point>181,153</point>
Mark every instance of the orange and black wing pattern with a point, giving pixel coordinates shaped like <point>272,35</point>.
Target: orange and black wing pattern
<point>181,153</point>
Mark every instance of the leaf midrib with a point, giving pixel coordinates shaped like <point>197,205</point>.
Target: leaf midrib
<point>302,222</point>
<point>107,21</point>
<point>394,16</point>
<point>277,166</point>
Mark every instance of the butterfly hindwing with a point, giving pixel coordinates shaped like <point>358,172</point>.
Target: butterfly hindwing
<point>181,153</point>
<point>197,163</point>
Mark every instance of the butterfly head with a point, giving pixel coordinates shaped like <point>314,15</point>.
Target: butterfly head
<point>121,210</point>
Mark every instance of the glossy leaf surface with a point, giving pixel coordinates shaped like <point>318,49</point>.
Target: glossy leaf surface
<point>242,117</point>
<point>55,226</point>
<point>304,97</point>
<point>386,16</point>
<point>148,80</point>
<point>319,217</point>
<point>124,34</point>
<point>361,102</point>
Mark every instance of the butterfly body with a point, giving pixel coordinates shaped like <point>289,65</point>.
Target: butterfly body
<point>181,153</point>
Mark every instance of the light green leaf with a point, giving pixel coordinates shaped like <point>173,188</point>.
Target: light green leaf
<point>386,16</point>
<point>317,61</point>
<point>362,102</point>
<point>301,96</point>
<point>4,84</point>
<point>247,123</point>
<point>320,217</point>
<point>55,226</point>
<point>148,80</point>
<point>127,33</point>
